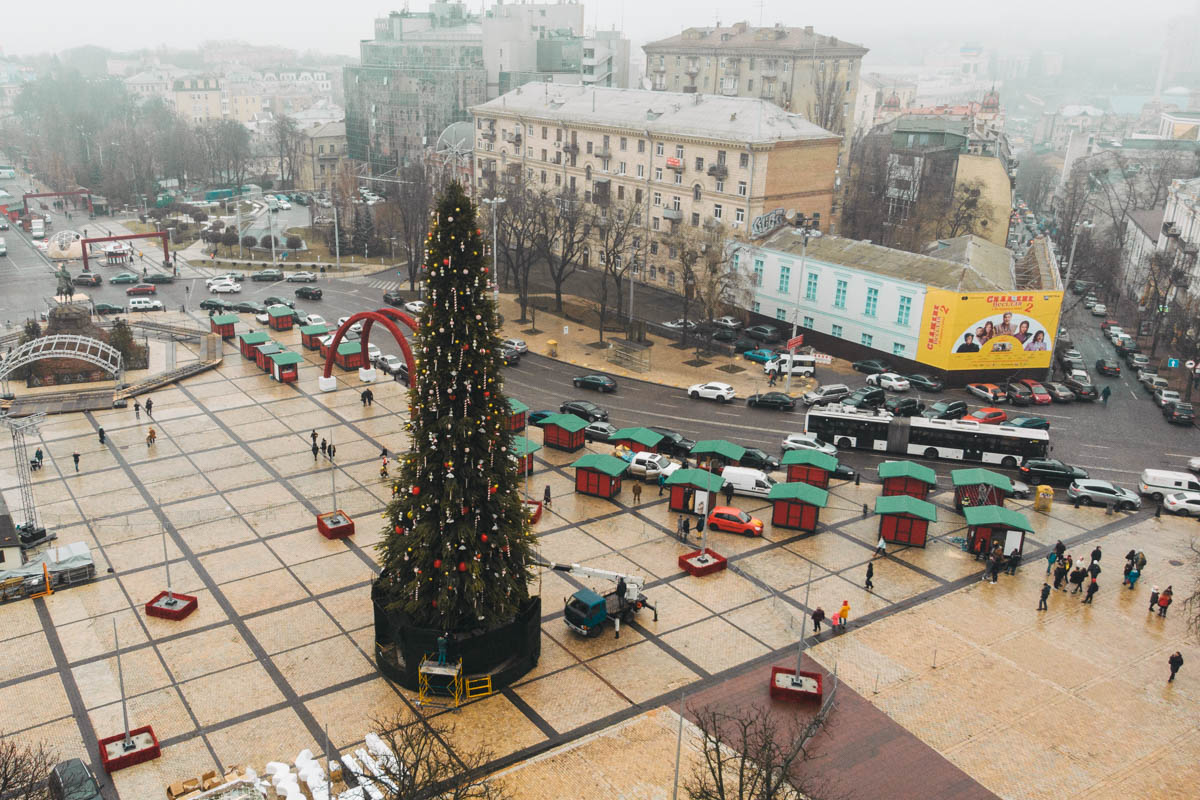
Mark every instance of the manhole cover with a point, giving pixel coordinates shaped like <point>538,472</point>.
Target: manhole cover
<point>1175,562</point>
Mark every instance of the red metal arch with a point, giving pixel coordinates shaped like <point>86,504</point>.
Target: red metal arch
<point>369,318</point>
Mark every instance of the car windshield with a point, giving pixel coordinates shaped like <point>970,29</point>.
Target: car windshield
<point>742,516</point>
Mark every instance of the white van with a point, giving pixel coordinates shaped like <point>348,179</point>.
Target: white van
<point>796,363</point>
<point>3,248</point>
<point>1158,483</point>
<point>144,304</point>
<point>753,482</point>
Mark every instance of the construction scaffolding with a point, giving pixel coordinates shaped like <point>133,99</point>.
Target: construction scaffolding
<point>29,531</point>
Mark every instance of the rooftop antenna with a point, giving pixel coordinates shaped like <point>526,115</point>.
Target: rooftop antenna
<point>761,7</point>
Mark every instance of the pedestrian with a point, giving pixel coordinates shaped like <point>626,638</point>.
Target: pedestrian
<point>728,490</point>
<point>149,408</point>
<point>1045,594</point>
<point>1141,561</point>
<point>38,457</point>
<point>1133,577</point>
<point>818,617</point>
<point>1096,553</point>
<point>1164,601</point>
<point>324,447</point>
<point>315,450</point>
<point>687,527</point>
<point>870,574</point>
<point>1070,561</point>
<point>332,450</point>
<point>1051,557</point>
<point>1131,555</point>
<point>844,614</point>
<point>101,432</point>
<point>1060,572</point>
<point>370,397</point>
<point>1014,561</point>
<point>383,472</point>
<point>771,380</point>
<point>881,547</point>
<point>1125,572</point>
<point>383,453</point>
<point>546,496</point>
<point>1153,598</point>
<point>1093,587</point>
<point>987,566</point>
<point>662,481</point>
<point>1077,576</point>
<point>700,525</point>
<point>137,410</point>
<point>1060,548</point>
<point>997,565</point>
<point>313,436</point>
<point>75,456</point>
<point>637,492</point>
<point>679,532</point>
<point>1093,570</point>
<point>363,397</point>
<point>1174,662</point>
<point>1105,394</point>
<point>151,437</point>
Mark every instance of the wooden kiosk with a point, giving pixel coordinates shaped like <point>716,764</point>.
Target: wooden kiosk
<point>281,318</point>
<point>263,353</point>
<point>904,519</point>
<point>517,415</point>
<point>693,491</point>
<point>599,474</point>
<point>349,355</point>
<point>285,366</point>
<point>522,451</point>
<point>310,336</point>
<point>979,487</point>
<point>636,439</point>
<point>809,466</point>
<point>718,452</point>
<point>563,432</point>
<point>247,342</point>
<point>223,324</point>
<point>989,525</point>
<point>906,477</point>
<point>797,505</point>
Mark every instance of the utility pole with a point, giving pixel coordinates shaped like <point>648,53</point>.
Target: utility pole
<point>1086,224</point>
<point>809,227</point>
<point>337,239</point>
<point>494,204</point>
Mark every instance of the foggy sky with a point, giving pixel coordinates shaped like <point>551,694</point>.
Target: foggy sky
<point>886,26</point>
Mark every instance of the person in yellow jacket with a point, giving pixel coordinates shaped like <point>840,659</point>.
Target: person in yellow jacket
<point>844,614</point>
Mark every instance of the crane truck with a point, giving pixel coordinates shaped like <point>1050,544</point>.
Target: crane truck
<point>587,611</point>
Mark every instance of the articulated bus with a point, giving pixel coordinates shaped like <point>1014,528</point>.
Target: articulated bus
<point>7,172</point>
<point>959,439</point>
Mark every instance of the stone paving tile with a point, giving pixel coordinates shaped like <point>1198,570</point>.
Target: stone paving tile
<point>205,651</point>
<point>234,564</point>
<point>493,723</point>
<point>230,693</point>
<point>271,589</point>
<point>332,572</point>
<point>18,713</point>
<point>20,619</point>
<point>98,683</point>
<point>307,668</point>
<point>187,759</point>
<point>643,671</point>
<point>277,736</point>
<point>299,624</point>
<point>570,698</point>
<point>720,591</point>
<point>350,713</point>
<point>24,655</point>
<point>714,644</point>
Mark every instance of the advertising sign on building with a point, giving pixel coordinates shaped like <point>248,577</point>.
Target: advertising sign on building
<point>988,330</point>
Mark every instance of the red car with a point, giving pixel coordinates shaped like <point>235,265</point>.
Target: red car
<point>1040,396</point>
<point>989,415</point>
<point>734,520</point>
<point>142,288</point>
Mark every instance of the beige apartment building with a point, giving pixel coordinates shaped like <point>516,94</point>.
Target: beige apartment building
<point>684,160</point>
<point>324,151</point>
<point>198,98</point>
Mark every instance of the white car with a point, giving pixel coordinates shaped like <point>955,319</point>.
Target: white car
<point>225,288</point>
<point>648,466</point>
<point>414,306</point>
<point>712,391</point>
<point>262,318</point>
<point>516,344</point>
<point>285,205</point>
<point>228,277</point>
<point>807,441</point>
<point>679,324</point>
<point>1164,396</point>
<point>356,327</point>
<point>314,319</point>
<point>302,277</point>
<point>889,380</point>
<point>1099,310</point>
<point>373,353</point>
<point>1185,504</point>
<point>1194,464</point>
<point>729,323</point>
<point>389,363</point>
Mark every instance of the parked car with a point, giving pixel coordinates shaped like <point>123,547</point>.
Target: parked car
<point>729,323</point>
<point>1162,396</point>
<point>1037,423</point>
<point>1099,310</point>
<point>314,319</point>
<point>309,293</point>
<point>215,304</point>
<point>988,392</point>
<point>516,344</point>
<point>723,335</point>
<point>267,275</point>
<point>925,383</point>
<point>1108,366</point>
<point>1018,393</point>
<point>415,306</point>
<point>865,397</point>
<point>72,780</point>
<point>871,366</point>
<point>279,301</point>
<point>107,308</point>
<point>1185,504</point>
<point>648,466</point>
<point>807,441</point>
<point>758,459</point>
<point>764,333</point>
<point>225,287</point>
<point>390,364</point>
<point>888,380</point>
<point>1050,470</point>
<point>829,393</point>
<point>714,390</point>
<point>680,324</point>
<point>600,383</point>
<point>1179,413</point>
<point>599,431</point>
<point>145,304</point>
<point>1151,382</point>
<point>249,307</point>
<point>589,412</point>
<point>1137,361</point>
<point>946,409</point>
<point>393,298</point>
<point>87,279</point>
<point>159,277</point>
<point>538,418</point>
<point>1059,393</point>
<point>1082,389</point>
<point>1071,354</point>
<point>673,443</point>
<point>124,277</point>
<point>302,277</point>
<point>776,400</point>
<point>509,356</point>
<point>903,406</point>
<point>356,327</point>
<point>988,415</point>
<point>1090,491</point>
<point>759,355</point>
<point>733,520</point>
<point>142,288</point>
<point>743,344</point>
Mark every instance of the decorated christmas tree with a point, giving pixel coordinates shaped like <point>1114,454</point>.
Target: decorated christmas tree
<point>458,544</point>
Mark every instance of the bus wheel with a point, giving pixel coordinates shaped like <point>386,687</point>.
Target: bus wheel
<point>930,452</point>
<point>844,442</point>
<point>1009,462</point>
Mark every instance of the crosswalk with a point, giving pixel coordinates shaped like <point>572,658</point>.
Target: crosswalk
<point>386,286</point>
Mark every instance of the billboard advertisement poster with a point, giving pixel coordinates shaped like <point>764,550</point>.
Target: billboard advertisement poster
<point>988,330</point>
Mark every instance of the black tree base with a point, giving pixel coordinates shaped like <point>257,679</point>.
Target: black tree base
<point>505,652</point>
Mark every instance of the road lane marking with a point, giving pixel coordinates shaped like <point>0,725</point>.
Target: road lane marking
<point>1097,446</point>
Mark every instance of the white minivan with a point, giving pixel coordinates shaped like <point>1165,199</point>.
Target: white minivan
<point>1158,483</point>
<point>3,248</point>
<point>144,304</point>
<point>753,482</point>
<point>795,363</point>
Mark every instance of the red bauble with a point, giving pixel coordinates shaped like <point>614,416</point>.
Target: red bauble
<point>435,603</point>
<point>437,563</point>
<point>462,566</point>
<point>446,261</point>
<point>397,530</point>
<point>483,537</point>
<point>416,490</point>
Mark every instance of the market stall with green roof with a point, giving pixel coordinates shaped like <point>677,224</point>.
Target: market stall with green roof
<point>281,318</point>
<point>599,474</point>
<point>563,432</point>
<point>905,519</point>
<point>223,324</point>
<point>797,505</point>
<point>349,355</point>
<point>310,336</point>
<point>285,366</point>
<point>988,526</point>
<point>517,415</point>
<point>523,450</point>
<point>979,487</point>
<point>717,453</point>
<point>809,466</point>
<point>263,353</point>
<point>636,439</point>
<point>247,342</point>
<point>907,477</point>
<point>693,490</point>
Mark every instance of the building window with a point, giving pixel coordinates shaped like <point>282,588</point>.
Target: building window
<point>905,310</point>
<point>679,151</point>
<point>785,279</point>
<point>739,215</point>
<point>695,219</point>
<point>675,202</point>
<point>743,160</point>
<point>545,131</point>
<point>720,156</point>
<point>756,308</point>
<point>658,148</point>
<point>810,289</point>
<point>780,314</point>
<point>624,143</point>
<point>867,339</point>
<point>717,211</point>
<point>604,167</point>
<point>808,323</point>
<point>699,164</point>
<point>653,272</point>
<point>621,192</point>
<point>653,248</point>
<point>637,196</point>
<point>658,173</point>
<point>641,145</point>
<point>671,278</point>
<point>678,178</point>
<point>741,188</point>
<point>657,198</point>
<point>758,272</point>
<point>836,330</point>
<point>641,170</point>
<point>839,297</point>
<point>897,349</point>
<point>654,223</point>
<point>872,305</point>
<point>589,148</point>
<point>696,192</point>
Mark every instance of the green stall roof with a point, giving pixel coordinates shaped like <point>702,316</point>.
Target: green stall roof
<point>700,479</point>
<point>516,406</point>
<point>568,422</point>
<point>314,330</point>
<point>810,458</point>
<point>286,358</point>
<point>349,348</point>
<point>643,436</point>
<point>718,447</point>
<point>270,348</point>
<point>279,311</point>
<point>804,492</point>
<point>225,319</point>
<point>981,477</point>
<point>254,337</point>
<point>996,515</point>
<point>907,469</point>
<point>601,462</point>
<point>906,504</point>
<point>522,447</point>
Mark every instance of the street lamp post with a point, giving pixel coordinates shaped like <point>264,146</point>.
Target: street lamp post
<point>809,227</point>
<point>494,203</point>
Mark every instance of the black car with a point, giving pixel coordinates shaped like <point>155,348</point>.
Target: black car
<point>1050,470</point>
<point>925,383</point>
<point>842,473</point>
<point>1081,389</point>
<point>776,400</point>
<point>213,304</point>
<point>872,366</point>
<point>250,307</point>
<point>159,277</point>
<point>538,418</point>
<point>267,275</point>
<point>108,308</point>
<point>508,355</point>
<point>1128,347</point>
<point>1059,392</point>
<point>393,298</point>
<point>279,301</point>
<point>72,780</point>
<point>584,410</point>
<point>946,409</point>
<point>904,406</point>
<point>866,397</point>
<point>724,335</point>
<point>673,443</point>
<point>309,293</point>
<point>764,333</point>
<point>743,344</point>
<point>757,459</point>
<point>601,383</point>
<point>1179,413</point>
<point>1108,366</point>
<point>1018,393</point>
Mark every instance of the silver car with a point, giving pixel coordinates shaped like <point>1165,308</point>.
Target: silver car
<point>1090,491</point>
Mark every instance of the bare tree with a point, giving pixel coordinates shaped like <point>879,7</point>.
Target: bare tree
<point>519,229</point>
<point>617,230</point>
<point>427,768</point>
<point>1191,603</point>
<point>1035,182</point>
<point>23,770</point>
<point>286,142</point>
<point>413,198</point>
<point>563,235</point>
<point>829,95</point>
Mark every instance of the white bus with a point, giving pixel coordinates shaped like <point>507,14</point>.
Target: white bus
<point>959,439</point>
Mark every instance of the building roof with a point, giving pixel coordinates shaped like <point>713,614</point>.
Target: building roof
<point>602,462</point>
<point>254,337</point>
<point>350,348</point>
<point>997,516</point>
<point>643,436</point>
<point>522,447</point>
<point>286,357</point>
<point>742,37</point>
<point>898,264</point>
<point>810,458</point>
<point>718,447</point>
<point>1149,220</point>
<point>568,422</point>
<point>739,119</point>
<point>907,469</point>
<point>515,406</point>
<point>697,478</point>
<point>314,330</point>
<point>906,504</point>
<point>804,492</point>
<point>330,130</point>
<point>225,319</point>
<point>990,262</point>
<point>981,477</point>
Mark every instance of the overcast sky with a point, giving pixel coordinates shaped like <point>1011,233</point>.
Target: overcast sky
<point>883,25</point>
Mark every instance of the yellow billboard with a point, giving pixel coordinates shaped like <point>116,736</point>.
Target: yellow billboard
<point>988,330</point>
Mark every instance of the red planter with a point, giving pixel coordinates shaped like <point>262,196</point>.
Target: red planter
<point>688,562</point>
<point>781,688</point>
<point>533,510</point>
<point>335,525</point>
<point>184,606</point>
<point>114,758</point>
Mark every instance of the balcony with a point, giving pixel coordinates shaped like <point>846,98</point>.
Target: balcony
<point>692,69</point>
<point>673,214</point>
<point>603,152</point>
<point>489,134</point>
<point>659,68</point>
<point>718,171</point>
<point>571,148</point>
<point>769,73</point>
<point>513,138</point>
<point>1170,229</point>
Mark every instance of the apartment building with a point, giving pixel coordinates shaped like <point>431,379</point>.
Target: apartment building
<point>677,160</point>
<point>198,97</point>
<point>324,151</point>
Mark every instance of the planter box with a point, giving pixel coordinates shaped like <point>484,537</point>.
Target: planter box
<point>533,510</point>
<point>783,684</point>
<point>183,606</point>
<point>335,525</point>
<point>114,756</point>
<point>702,562</point>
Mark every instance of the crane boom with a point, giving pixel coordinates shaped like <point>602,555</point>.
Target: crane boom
<point>633,583</point>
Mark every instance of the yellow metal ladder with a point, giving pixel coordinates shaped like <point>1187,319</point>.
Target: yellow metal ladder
<point>479,687</point>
